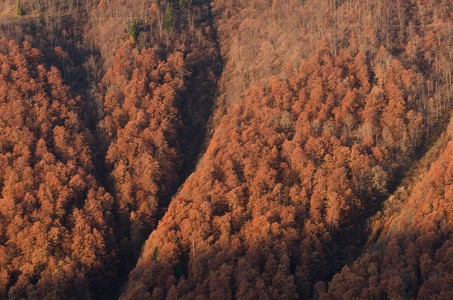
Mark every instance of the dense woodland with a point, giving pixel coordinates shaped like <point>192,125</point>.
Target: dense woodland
<point>293,149</point>
<point>56,220</point>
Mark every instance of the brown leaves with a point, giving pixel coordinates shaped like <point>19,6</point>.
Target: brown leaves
<point>45,143</point>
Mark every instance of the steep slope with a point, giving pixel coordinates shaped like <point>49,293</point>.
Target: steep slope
<point>280,199</point>
<point>320,110</point>
<point>408,254</point>
<point>260,39</point>
<point>277,201</point>
<point>154,102</point>
<point>47,24</point>
<point>146,92</point>
<point>55,239</point>
<point>141,121</point>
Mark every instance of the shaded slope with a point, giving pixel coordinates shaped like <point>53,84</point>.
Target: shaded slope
<point>407,254</point>
<point>56,237</point>
<point>146,99</point>
<point>154,102</point>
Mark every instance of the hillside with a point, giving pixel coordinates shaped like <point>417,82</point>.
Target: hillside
<point>56,220</point>
<point>285,184</point>
<point>225,149</point>
<point>279,202</point>
<point>407,254</point>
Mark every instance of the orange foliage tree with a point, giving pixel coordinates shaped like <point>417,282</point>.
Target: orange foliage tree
<point>55,238</point>
<point>287,172</point>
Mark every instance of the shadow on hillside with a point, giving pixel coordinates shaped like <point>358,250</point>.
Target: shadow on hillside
<point>352,243</point>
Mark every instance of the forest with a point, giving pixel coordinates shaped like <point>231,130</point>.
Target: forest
<point>196,149</point>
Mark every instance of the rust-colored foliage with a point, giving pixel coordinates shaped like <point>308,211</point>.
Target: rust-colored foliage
<point>321,109</point>
<point>141,124</point>
<point>55,219</point>
<point>410,257</point>
<point>285,171</point>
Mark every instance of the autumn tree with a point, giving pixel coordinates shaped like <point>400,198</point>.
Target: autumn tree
<point>286,151</point>
<point>55,218</point>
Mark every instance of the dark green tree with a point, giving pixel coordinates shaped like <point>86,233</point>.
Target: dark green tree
<point>169,22</point>
<point>133,29</point>
<point>178,271</point>
<point>19,9</point>
<point>183,3</point>
<point>154,257</point>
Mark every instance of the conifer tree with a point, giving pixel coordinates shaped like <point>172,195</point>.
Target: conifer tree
<point>19,9</point>
<point>183,3</point>
<point>133,29</point>
<point>169,22</point>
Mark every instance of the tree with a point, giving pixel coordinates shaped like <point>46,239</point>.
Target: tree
<point>133,29</point>
<point>169,21</point>
<point>19,9</point>
<point>47,184</point>
<point>183,3</point>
